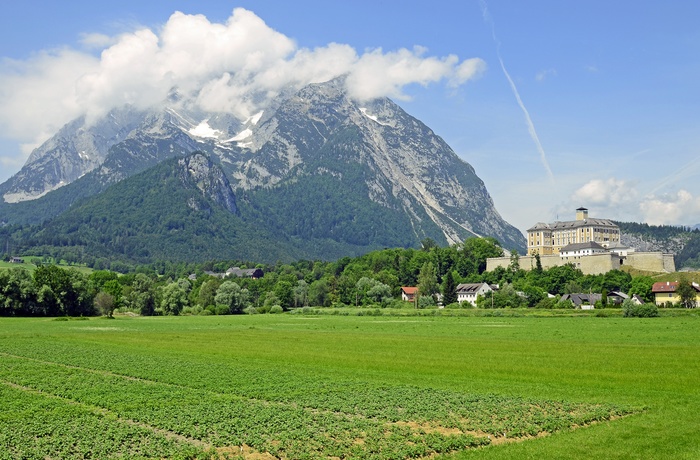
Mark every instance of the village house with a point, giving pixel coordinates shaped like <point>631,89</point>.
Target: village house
<point>468,292</point>
<point>666,291</point>
<point>582,300</point>
<point>408,293</point>
<point>254,273</point>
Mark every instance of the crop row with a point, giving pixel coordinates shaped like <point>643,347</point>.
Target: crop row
<point>390,403</point>
<point>36,426</point>
<point>219,419</point>
<point>354,420</point>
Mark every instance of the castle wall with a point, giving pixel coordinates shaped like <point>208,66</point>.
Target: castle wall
<point>651,261</point>
<point>594,264</point>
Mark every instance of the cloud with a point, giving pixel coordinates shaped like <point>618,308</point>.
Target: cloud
<point>545,74</point>
<point>606,193</point>
<point>237,67</point>
<point>619,199</point>
<point>677,208</point>
<point>96,41</point>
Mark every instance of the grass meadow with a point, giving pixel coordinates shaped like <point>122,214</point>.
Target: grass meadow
<point>298,386</point>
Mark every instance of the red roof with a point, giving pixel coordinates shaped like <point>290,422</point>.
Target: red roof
<point>670,286</point>
<point>410,290</point>
<point>664,286</point>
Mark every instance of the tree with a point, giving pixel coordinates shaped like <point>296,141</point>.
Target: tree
<point>142,296</point>
<point>514,261</point>
<point>301,294</point>
<point>207,292</point>
<point>113,288</point>
<point>284,291</point>
<point>174,299</point>
<point>231,296</point>
<point>475,251</point>
<point>427,280</point>
<point>641,286</point>
<point>617,280</point>
<point>687,294</point>
<point>17,292</point>
<point>105,303</point>
<point>534,295</point>
<point>369,290</point>
<point>319,293</point>
<point>427,244</point>
<point>449,289</point>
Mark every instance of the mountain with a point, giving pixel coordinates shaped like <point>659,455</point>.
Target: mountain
<point>316,170</point>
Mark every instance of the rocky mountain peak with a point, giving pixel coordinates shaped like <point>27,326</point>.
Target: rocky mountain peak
<point>199,170</point>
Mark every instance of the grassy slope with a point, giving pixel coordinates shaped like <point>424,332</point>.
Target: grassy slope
<point>649,362</point>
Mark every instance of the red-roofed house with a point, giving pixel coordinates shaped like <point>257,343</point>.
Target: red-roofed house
<point>408,293</point>
<point>665,291</point>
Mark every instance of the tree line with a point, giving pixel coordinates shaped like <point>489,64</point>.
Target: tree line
<point>372,279</point>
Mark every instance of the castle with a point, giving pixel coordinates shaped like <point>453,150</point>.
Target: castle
<point>589,244</point>
<point>547,239</point>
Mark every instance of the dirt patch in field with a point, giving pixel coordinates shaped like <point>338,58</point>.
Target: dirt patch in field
<point>244,451</point>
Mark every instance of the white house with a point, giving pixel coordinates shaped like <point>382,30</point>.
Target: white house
<point>581,249</point>
<point>467,292</point>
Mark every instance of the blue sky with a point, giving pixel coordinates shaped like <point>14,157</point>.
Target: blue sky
<point>573,103</point>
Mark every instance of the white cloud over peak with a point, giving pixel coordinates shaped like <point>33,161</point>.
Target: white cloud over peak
<point>619,199</point>
<point>235,67</point>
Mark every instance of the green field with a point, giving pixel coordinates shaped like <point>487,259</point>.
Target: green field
<point>296,386</point>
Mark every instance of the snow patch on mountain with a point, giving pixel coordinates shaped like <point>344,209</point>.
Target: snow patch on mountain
<point>205,131</point>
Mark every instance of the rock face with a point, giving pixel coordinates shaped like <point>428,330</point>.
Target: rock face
<point>375,153</point>
<point>199,170</point>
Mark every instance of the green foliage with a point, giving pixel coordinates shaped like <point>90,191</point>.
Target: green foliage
<point>427,280</point>
<point>687,294</point>
<point>230,298</point>
<point>174,299</point>
<point>105,303</point>
<point>641,286</point>
<point>449,289</point>
<point>142,297</point>
<point>632,310</point>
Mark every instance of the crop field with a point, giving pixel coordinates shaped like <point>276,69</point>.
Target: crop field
<point>294,386</point>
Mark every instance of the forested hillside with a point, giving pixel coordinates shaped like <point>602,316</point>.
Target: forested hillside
<point>682,242</point>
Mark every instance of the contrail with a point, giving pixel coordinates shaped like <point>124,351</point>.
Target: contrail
<point>528,120</point>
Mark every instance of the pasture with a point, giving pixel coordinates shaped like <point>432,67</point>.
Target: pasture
<point>296,386</point>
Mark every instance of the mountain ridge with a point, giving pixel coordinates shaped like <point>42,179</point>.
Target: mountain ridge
<point>358,156</point>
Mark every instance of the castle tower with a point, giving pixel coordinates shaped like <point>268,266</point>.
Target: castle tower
<point>581,214</point>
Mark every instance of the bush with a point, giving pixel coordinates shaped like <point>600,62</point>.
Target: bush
<point>223,310</point>
<point>251,311</point>
<point>632,310</point>
<point>426,301</point>
<point>276,309</point>
<point>205,313</point>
